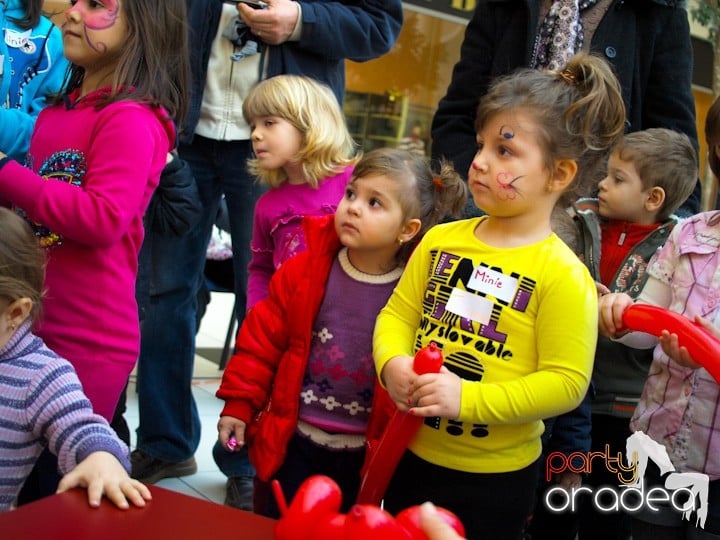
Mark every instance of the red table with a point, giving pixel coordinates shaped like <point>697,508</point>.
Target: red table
<point>170,515</point>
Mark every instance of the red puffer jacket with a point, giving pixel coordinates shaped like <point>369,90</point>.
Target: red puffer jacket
<point>262,382</point>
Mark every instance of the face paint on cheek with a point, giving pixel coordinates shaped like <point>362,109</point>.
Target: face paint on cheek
<point>98,19</point>
<point>507,190</point>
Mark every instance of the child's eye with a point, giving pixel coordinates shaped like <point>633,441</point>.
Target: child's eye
<point>269,122</point>
<point>503,151</point>
<point>375,202</point>
<point>349,194</point>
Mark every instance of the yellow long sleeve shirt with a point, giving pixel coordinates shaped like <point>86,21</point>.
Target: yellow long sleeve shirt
<point>518,325</point>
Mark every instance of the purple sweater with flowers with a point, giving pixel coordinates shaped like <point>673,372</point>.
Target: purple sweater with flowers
<point>42,405</point>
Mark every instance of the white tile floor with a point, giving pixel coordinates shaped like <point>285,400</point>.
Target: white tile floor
<point>208,483</point>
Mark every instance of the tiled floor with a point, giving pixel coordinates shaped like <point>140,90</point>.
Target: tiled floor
<point>208,483</point>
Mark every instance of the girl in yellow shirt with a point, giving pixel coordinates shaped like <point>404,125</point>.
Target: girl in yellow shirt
<point>514,310</point>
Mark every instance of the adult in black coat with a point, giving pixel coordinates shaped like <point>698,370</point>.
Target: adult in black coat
<point>646,41</point>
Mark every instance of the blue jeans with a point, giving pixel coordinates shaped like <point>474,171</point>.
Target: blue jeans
<point>169,277</point>
<point>232,464</point>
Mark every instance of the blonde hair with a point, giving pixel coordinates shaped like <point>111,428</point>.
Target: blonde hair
<point>312,108</point>
<point>22,262</point>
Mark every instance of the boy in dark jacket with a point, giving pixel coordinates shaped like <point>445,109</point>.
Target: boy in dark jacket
<point>650,173</point>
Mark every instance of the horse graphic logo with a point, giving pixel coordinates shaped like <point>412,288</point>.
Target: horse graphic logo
<point>639,448</point>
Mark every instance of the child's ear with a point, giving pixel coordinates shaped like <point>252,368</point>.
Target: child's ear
<point>563,175</point>
<point>410,229</point>
<point>655,199</point>
<point>19,310</point>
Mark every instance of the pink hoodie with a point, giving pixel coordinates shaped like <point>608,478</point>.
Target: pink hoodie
<point>90,176</point>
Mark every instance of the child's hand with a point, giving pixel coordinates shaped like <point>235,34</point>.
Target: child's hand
<point>102,474</point>
<point>437,394</point>
<point>610,311</point>
<point>229,426</point>
<point>671,346</point>
<point>396,375</point>
<point>569,480</point>
<point>602,290</point>
<point>435,527</point>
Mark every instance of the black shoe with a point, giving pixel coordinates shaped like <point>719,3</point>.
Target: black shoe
<point>149,470</point>
<point>239,492</point>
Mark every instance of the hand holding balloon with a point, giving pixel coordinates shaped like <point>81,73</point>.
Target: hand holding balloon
<point>697,338</point>
<point>402,427</point>
<point>396,376</point>
<point>611,308</point>
<point>670,344</point>
<point>436,391</point>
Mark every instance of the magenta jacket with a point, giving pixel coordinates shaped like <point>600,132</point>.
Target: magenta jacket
<point>89,177</point>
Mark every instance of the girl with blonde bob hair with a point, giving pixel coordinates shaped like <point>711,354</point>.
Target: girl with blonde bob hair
<point>304,152</point>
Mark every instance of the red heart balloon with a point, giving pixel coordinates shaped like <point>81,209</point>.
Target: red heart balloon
<point>317,497</point>
<point>369,522</point>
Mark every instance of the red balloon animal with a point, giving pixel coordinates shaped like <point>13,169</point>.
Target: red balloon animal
<point>704,348</point>
<point>315,514</point>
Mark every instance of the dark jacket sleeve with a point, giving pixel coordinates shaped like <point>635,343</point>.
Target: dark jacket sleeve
<point>358,31</point>
<point>493,44</point>
<point>175,207</point>
<point>570,432</point>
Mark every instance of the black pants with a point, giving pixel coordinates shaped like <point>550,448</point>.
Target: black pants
<point>43,479</point>
<point>305,459</point>
<point>595,525</point>
<point>492,506</point>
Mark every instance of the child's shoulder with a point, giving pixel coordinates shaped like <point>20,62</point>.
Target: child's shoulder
<point>701,229</point>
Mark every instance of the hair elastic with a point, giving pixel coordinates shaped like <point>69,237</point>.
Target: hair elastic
<point>438,183</point>
<point>568,77</point>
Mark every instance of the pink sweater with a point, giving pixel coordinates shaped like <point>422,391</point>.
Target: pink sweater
<point>89,179</point>
<point>277,226</point>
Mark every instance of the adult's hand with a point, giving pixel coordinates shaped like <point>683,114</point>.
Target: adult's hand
<point>275,24</point>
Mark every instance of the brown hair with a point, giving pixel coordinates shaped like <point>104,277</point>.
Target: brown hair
<point>427,195</point>
<point>33,11</point>
<point>22,261</point>
<point>154,65</point>
<point>579,112</point>
<point>662,158</point>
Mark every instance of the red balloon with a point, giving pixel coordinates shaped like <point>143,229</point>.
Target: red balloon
<point>384,456</point>
<point>704,347</point>
<point>317,498</point>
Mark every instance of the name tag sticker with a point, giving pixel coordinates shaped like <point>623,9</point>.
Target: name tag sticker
<point>493,283</point>
<point>16,39</point>
<point>470,306</point>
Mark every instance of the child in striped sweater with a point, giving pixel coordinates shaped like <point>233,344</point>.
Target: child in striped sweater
<point>41,399</point>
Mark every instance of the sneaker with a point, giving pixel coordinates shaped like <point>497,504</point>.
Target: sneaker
<point>239,492</point>
<point>149,469</point>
